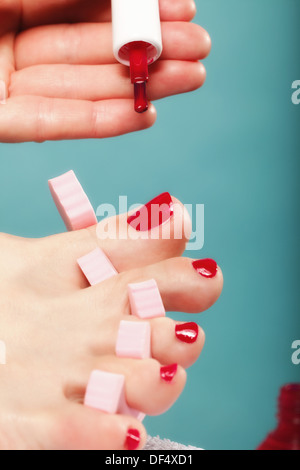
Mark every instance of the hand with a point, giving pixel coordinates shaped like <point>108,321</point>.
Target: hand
<point>59,79</point>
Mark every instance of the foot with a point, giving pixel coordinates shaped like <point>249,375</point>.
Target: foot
<point>57,330</point>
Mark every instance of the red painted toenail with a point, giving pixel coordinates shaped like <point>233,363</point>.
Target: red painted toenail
<point>188,332</point>
<point>168,373</point>
<point>206,267</point>
<point>155,213</point>
<point>132,439</point>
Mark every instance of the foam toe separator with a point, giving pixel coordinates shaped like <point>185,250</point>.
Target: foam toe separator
<point>134,340</point>
<point>72,202</point>
<point>106,392</point>
<point>145,300</point>
<point>96,267</point>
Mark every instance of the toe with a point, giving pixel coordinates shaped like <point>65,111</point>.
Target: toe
<point>131,241</point>
<point>122,241</point>
<point>186,285</point>
<point>176,342</point>
<point>76,427</point>
<point>149,387</point>
<point>171,342</point>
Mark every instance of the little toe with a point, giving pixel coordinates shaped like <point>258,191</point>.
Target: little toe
<point>76,427</point>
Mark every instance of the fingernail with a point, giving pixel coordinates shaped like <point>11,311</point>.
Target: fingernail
<point>133,439</point>
<point>153,214</point>
<point>187,332</point>
<point>206,267</point>
<point>2,92</point>
<point>168,373</point>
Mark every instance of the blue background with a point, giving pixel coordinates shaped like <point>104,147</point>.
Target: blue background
<point>233,146</point>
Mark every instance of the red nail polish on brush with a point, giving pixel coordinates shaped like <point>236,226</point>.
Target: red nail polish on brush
<point>140,98</point>
<point>139,75</point>
<point>133,439</point>
<point>153,214</point>
<point>137,42</point>
<point>187,332</point>
<point>206,267</point>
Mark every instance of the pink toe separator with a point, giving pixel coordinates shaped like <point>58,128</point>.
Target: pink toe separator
<point>134,340</point>
<point>72,202</point>
<point>145,300</point>
<point>106,392</point>
<point>96,267</point>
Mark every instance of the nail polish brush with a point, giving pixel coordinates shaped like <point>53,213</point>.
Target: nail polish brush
<point>137,42</point>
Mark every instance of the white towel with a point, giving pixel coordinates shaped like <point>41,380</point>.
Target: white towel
<point>155,443</point>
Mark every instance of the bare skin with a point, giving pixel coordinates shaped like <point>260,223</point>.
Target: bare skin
<point>57,64</point>
<point>57,330</point>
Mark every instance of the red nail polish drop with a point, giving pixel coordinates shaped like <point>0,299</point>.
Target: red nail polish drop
<point>287,434</point>
<point>138,57</point>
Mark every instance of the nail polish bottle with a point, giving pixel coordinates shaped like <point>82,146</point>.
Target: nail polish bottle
<point>137,41</point>
<point>287,434</point>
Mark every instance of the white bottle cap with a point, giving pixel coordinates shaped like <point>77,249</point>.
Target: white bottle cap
<point>135,21</point>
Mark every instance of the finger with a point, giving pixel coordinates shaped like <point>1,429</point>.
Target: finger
<point>6,64</point>
<point>91,44</point>
<point>10,17</point>
<point>102,82</point>
<point>55,119</point>
<point>177,10</point>
<point>74,11</point>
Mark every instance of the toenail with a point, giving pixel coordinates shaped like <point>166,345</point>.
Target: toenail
<point>72,202</point>
<point>134,340</point>
<point>96,267</point>
<point>132,439</point>
<point>206,267</point>
<point>168,373</point>
<point>153,214</point>
<point>187,332</point>
<point>145,300</point>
